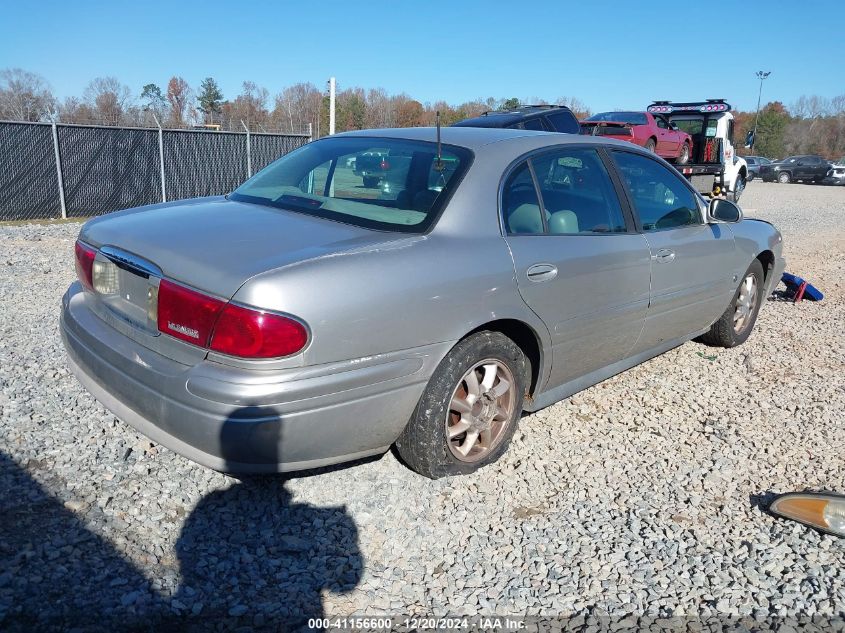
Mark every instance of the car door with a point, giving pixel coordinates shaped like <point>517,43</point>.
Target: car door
<point>667,142</point>
<point>816,168</point>
<point>692,272</point>
<point>580,266</point>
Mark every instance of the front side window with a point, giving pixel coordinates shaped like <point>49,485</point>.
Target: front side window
<point>660,123</point>
<point>578,195</point>
<point>379,183</point>
<point>662,199</point>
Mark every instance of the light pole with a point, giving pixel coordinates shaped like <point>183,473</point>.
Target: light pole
<point>332,88</point>
<point>761,75</point>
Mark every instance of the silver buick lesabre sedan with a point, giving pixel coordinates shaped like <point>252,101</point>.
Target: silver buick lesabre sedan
<point>307,319</point>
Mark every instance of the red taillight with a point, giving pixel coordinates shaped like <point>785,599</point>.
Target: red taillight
<point>186,314</point>
<point>224,327</point>
<point>254,334</point>
<point>84,259</point>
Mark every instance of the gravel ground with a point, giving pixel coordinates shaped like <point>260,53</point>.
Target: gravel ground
<point>641,495</point>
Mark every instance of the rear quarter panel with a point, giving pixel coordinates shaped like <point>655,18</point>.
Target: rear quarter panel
<point>412,292</point>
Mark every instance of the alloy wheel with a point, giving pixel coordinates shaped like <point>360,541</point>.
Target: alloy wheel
<point>480,410</point>
<point>746,302</point>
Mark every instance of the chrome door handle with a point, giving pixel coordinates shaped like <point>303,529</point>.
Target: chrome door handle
<point>542,272</point>
<point>664,256</point>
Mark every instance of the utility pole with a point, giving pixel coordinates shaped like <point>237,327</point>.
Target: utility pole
<point>332,88</point>
<point>761,75</point>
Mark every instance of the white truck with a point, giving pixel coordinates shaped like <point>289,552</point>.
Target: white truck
<point>714,167</point>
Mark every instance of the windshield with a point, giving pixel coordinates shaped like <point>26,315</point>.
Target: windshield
<point>379,183</point>
<point>637,118</point>
<point>790,159</point>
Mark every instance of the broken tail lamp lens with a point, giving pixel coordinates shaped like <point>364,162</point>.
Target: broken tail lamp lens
<point>825,512</point>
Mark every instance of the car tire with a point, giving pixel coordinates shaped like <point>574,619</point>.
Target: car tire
<point>739,188</point>
<point>683,157</point>
<point>728,331</point>
<point>463,402</point>
<point>650,145</point>
<point>784,178</point>
<point>370,181</point>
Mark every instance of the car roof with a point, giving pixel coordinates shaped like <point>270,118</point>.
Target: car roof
<point>475,138</point>
<point>496,118</point>
<point>469,137</point>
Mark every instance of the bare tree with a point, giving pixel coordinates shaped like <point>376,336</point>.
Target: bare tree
<point>295,107</point>
<point>578,107</point>
<point>25,96</point>
<point>379,112</point>
<point>250,107</point>
<point>179,96</point>
<point>73,110</point>
<point>108,99</point>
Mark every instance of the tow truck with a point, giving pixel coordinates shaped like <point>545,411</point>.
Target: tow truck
<point>714,168</point>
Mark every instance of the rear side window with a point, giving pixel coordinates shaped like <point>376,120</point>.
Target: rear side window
<point>520,204</point>
<point>564,121</point>
<point>662,199</point>
<point>533,124</point>
<point>578,195</point>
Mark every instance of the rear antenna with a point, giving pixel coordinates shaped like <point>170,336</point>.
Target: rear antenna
<point>438,165</point>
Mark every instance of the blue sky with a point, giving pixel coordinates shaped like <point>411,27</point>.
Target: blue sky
<point>608,54</point>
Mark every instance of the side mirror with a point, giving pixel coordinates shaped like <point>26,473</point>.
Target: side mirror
<point>721,210</point>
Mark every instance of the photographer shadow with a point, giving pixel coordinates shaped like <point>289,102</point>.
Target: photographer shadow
<point>250,555</point>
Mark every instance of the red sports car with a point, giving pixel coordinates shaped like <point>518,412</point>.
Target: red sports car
<point>651,131</point>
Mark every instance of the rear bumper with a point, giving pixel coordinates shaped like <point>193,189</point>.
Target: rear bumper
<point>247,421</point>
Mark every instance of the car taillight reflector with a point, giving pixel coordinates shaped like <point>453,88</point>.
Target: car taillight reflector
<point>84,261</point>
<point>186,314</point>
<point>254,334</point>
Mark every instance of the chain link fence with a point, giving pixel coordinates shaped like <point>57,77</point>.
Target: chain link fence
<point>58,171</point>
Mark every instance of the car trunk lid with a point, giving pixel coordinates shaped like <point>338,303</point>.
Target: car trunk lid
<point>211,245</point>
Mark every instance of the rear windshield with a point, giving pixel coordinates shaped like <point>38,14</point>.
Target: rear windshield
<point>379,183</point>
<point>637,118</point>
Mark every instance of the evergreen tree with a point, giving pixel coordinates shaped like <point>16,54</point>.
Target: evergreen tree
<point>210,98</point>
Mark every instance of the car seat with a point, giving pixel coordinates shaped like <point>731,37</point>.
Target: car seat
<point>525,219</point>
<point>563,222</point>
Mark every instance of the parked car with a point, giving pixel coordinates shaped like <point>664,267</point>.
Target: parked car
<point>379,166</point>
<point>808,168</point>
<point>836,175</point>
<point>293,324</point>
<point>544,118</point>
<point>754,163</point>
<point>654,132</point>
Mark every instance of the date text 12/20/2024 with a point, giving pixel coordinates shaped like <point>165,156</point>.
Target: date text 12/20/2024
<point>475,623</point>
